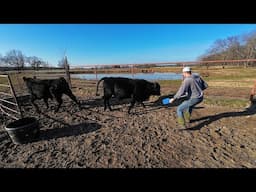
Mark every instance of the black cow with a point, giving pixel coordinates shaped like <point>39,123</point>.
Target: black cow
<point>48,89</point>
<point>138,90</point>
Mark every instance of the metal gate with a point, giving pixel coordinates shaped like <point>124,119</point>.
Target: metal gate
<point>8,100</point>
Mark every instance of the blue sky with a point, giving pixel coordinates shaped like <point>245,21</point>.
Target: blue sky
<point>115,43</point>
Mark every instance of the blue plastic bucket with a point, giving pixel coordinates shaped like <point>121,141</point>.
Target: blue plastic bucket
<point>166,101</point>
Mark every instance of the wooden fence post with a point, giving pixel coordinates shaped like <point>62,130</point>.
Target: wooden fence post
<point>95,71</point>
<point>66,65</point>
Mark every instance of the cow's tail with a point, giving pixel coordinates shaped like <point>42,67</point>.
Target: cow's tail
<point>97,94</point>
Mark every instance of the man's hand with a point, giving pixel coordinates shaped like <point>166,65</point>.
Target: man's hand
<point>171,100</point>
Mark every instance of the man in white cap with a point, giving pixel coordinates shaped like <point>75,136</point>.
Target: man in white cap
<point>192,87</point>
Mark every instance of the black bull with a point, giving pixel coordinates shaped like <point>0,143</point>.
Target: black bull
<point>138,90</point>
<point>48,88</point>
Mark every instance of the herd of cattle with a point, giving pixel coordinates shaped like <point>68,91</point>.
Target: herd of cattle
<point>138,90</point>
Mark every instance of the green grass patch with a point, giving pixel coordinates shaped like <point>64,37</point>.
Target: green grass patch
<point>230,78</point>
<point>230,102</point>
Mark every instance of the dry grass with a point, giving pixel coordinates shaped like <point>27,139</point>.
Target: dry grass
<point>227,102</point>
<point>230,83</point>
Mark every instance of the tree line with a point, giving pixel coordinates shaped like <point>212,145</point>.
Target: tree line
<point>16,59</point>
<point>233,48</point>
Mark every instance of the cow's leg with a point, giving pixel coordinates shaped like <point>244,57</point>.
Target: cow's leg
<point>131,106</point>
<point>59,100</point>
<point>109,105</point>
<point>105,103</point>
<point>32,100</point>
<point>73,97</point>
<point>107,96</point>
<point>143,104</point>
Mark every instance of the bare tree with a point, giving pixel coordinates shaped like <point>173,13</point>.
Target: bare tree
<point>217,51</point>
<point>250,46</point>
<point>34,62</point>
<point>1,61</point>
<point>231,48</point>
<point>61,63</point>
<point>44,64</point>
<point>15,58</point>
<point>234,47</point>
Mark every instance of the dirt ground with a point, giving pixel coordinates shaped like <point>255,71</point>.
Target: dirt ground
<point>219,136</point>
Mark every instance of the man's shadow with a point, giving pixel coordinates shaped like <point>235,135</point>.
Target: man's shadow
<point>211,118</point>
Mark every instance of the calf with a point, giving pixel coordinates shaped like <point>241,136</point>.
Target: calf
<point>138,90</point>
<point>48,88</point>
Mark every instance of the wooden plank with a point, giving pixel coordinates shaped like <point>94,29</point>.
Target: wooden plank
<point>3,75</point>
<point>88,85</point>
<point>9,109</point>
<point>6,101</point>
<point>10,115</point>
<point>4,85</point>
<point>7,94</point>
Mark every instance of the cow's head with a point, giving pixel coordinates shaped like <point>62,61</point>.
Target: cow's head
<point>156,89</point>
<point>25,79</point>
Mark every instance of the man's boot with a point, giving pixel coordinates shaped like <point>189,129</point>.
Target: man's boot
<point>181,123</point>
<point>187,118</point>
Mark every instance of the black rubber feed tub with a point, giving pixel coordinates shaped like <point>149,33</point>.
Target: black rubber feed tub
<point>23,130</point>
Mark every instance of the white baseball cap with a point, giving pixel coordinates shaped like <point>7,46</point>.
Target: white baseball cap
<point>186,69</point>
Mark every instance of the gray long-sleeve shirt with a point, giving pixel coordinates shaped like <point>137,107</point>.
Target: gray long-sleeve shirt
<point>191,86</point>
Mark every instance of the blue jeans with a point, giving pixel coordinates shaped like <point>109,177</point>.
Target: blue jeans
<point>188,105</point>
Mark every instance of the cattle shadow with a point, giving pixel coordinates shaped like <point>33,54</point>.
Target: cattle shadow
<point>115,103</point>
<point>4,136</point>
<point>67,130</point>
<point>96,112</point>
<point>99,102</point>
<point>54,119</point>
<point>211,118</point>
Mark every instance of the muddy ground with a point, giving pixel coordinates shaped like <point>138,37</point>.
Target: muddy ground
<point>219,136</point>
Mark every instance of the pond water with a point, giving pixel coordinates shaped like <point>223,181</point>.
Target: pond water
<point>147,76</point>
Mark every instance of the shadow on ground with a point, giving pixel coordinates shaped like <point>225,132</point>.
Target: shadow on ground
<point>211,118</point>
<point>67,130</point>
